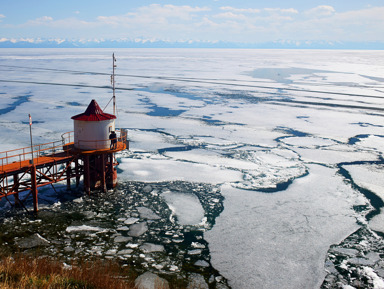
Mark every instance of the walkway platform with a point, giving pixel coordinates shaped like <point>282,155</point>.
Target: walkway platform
<point>54,162</point>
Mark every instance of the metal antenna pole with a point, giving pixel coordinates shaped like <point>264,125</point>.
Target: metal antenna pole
<point>113,83</point>
<point>30,133</point>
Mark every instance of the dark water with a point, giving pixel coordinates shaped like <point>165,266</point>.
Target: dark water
<point>76,226</point>
<point>18,101</point>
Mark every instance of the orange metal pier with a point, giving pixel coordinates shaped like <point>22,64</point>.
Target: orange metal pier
<point>27,169</point>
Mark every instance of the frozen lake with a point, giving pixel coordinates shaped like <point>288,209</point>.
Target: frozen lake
<point>250,168</point>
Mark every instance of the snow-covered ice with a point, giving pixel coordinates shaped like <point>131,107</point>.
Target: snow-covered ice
<point>291,140</point>
<point>295,245</point>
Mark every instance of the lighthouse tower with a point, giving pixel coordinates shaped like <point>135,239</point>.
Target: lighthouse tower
<point>95,140</point>
<point>92,128</point>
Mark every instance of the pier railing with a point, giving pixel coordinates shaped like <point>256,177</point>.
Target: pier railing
<point>21,155</point>
<point>65,145</point>
<point>121,136</point>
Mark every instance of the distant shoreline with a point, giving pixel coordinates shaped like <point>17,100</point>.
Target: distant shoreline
<point>113,44</point>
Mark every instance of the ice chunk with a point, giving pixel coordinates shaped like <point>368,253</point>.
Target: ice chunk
<point>131,221</point>
<point>147,189</point>
<point>125,252</point>
<point>83,228</point>
<point>194,252</point>
<point>122,228</point>
<point>32,241</point>
<point>197,281</point>
<point>138,229</point>
<point>376,280</point>
<point>201,263</point>
<point>186,207</point>
<point>146,213</point>
<point>122,239</point>
<point>197,245</point>
<point>149,280</point>
<point>111,252</point>
<point>133,246</point>
<point>149,248</point>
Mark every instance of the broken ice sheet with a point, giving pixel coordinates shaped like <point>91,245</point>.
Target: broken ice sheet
<point>289,232</point>
<point>158,170</point>
<point>369,176</point>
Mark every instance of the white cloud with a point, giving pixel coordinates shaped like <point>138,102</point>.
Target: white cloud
<point>230,15</point>
<point>282,11</point>
<point>321,11</point>
<point>326,24</point>
<point>1,17</point>
<point>44,19</point>
<point>40,21</point>
<point>155,14</point>
<point>241,10</point>
<point>184,23</point>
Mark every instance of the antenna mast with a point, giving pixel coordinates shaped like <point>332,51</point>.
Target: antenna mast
<point>113,82</point>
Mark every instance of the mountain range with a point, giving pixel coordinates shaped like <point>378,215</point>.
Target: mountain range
<point>143,43</point>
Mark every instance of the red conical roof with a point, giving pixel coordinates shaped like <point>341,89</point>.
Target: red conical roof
<point>93,113</point>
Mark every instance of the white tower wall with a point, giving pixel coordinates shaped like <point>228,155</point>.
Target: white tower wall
<point>93,135</point>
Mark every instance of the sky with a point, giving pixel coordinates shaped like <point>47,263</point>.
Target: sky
<point>243,21</point>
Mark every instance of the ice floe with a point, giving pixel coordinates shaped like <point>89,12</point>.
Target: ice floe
<point>138,229</point>
<point>185,206</point>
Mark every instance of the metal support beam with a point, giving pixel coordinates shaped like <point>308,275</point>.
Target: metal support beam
<point>77,172</point>
<point>16,185</point>
<point>87,177</point>
<point>103,168</point>
<point>34,189</point>
<point>68,176</point>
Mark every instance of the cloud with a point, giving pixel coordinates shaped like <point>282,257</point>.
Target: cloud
<point>1,17</point>
<point>154,14</point>
<point>282,11</point>
<point>321,11</point>
<point>324,23</point>
<point>230,15</point>
<point>241,10</point>
<point>41,20</point>
<point>44,19</point>
<point>226,23</point>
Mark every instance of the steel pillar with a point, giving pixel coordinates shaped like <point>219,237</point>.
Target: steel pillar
<point>16,185</point>
<point>77,172</point>
<point>34,189</point>
<point>87,177</point>
<point>103,168</point>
